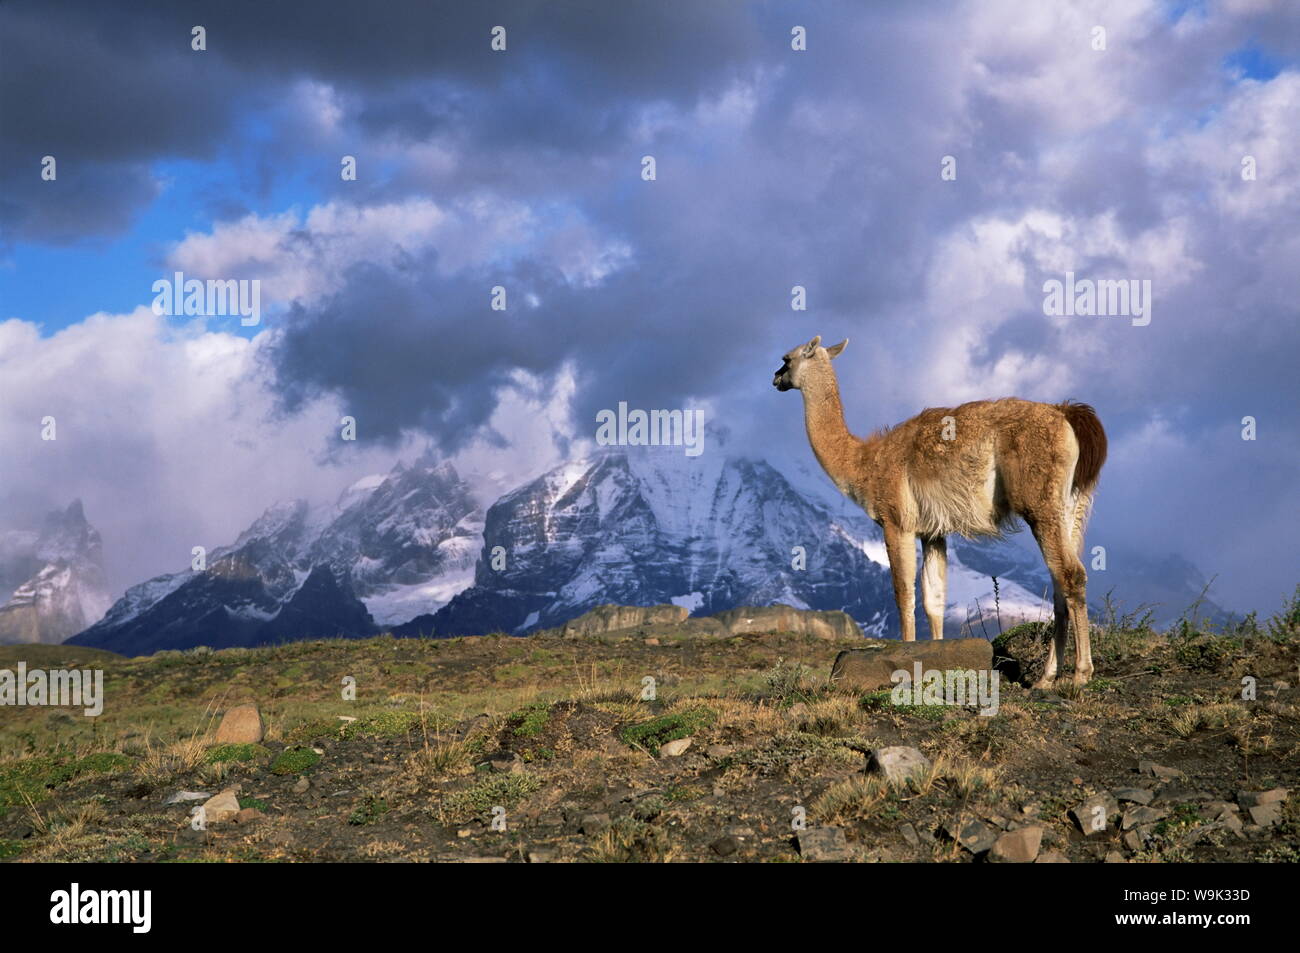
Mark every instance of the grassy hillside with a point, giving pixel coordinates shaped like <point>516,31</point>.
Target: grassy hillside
<point>555,733</point>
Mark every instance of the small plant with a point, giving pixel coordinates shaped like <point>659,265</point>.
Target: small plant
<point>222,754</point>
<point>531,721</point>
<point>371,810</point>
<point>652,734</point>
<point>501,790</point>
<point>294,761</point>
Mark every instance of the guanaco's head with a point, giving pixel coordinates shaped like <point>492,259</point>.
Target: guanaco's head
<point>796,365</point>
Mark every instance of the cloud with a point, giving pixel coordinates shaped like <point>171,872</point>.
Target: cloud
<point>775,169</point>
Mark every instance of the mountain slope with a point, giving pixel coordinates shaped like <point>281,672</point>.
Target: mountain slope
<point>708,533</point>
<point>399,541</point>
<point>64,588</point>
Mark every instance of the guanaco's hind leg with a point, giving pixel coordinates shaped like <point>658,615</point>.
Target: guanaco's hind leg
<point>934,582</point>
<point>1069,598</point>
<point>901,549</point>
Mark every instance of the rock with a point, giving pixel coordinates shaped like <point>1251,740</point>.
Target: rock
<point>1093,814</point>
<point>241,725</point>
<point>593,823</point>
<point>611,618</point>
<point>541,856</point>
<point>1134,795</point>
<point>1133,841</point>
<point>1249,799</point>
<point>976,836</point>
<point>1052,857</point>
<point>674,749</point>
<point>826,625</point>
<point>1159,771</point>
<point>180,797</point>
<point>1266,815</point>
<point>1137,816</point>
<point>1017,847</point>
<point>898,763</point>
<point>866,670</point>
<point>506,764</point>
<point>822,845</point>
<point>725,846</point>
<point>652,641</point>
<point>301,785</point>
<point>719,752</point>
<point>1115,857</point>
<point>247,816</point>
<point>221,807</point>
<point>909,834</point>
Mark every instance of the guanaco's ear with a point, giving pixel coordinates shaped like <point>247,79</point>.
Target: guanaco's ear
<point>835,350</point>
<point>811,347</point>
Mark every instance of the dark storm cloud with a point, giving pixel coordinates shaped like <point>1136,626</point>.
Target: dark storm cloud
<point>821,170</point>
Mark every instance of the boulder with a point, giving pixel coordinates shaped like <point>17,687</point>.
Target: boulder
<point>824,845</point>
<point>610,618</point>
<point>241,725</point>
<point>826,625</point>
<point>221,807</point>
<point>1093,815</point>
<point>1017,847</point>
<point>898,763</point>
<point>872,668</point>
<point>674,749</point>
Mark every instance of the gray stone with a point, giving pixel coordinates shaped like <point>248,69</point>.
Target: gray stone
<point>898,763</point>
<point>593,823</point>
<point>301,785</point>
<point>1052,857</point>
<point>1266,815</point>
<point>221,807</point>
<point>976,836</point>
<point>1137,816</point>
<point>1159,771</point>
<point>180,797</point>
<point>1093,815</point>
<point>821,845</point>
<point>725,846</point>
<point>1134,795</point>
<point>909,835</point>
<point>1249,799</point>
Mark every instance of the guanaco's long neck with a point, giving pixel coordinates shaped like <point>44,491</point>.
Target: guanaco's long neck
<point>839,452</point>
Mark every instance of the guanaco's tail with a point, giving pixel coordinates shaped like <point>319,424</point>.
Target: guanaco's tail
<point>1092,444</point>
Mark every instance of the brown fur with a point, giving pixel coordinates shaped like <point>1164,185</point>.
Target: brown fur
<point>1092,444</point>
<point>970,470</point>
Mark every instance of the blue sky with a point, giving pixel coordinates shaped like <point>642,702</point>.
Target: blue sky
<point>522,168</point>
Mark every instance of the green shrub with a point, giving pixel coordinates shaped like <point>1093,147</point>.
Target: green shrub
<point>294,761</point>
<point>243,752</point>
<point>665,728</point>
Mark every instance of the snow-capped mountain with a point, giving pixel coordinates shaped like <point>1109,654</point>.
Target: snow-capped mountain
<point>710,533</point>
<point>640,527</point>
<point>54,579</point>
<point>391,546</point>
